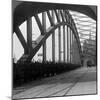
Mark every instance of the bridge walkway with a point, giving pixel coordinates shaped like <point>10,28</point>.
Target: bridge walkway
<point>76,82</point>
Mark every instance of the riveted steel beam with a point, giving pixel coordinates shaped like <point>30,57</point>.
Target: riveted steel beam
<point>29,34</point>
<point>57,16</point>
<point>67,45</point>
<point>21,39</point>
<point>64,44</point>
<point>44,30</point>
<point>50,18</point>
<point>62,16</point>
<point>53,38</point>
<point>39,24</point>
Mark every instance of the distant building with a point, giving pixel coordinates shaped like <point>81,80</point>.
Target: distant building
<point>89,47</point>
<point>89,50</point>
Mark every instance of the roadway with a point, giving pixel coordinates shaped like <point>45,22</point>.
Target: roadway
<point>77,82</point>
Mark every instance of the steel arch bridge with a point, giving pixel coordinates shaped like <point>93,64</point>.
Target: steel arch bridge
<point>24,11</point>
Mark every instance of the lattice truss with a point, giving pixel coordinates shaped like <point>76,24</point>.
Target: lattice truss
<point>86,28</point>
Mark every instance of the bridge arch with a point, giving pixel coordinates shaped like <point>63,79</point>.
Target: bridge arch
<point>25,11</point>
<point>66,20</point>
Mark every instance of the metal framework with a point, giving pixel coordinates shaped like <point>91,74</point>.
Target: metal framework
<point>87,32</point>
<point>64,19</point>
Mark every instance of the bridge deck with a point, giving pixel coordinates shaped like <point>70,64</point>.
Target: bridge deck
<point>80,81</point>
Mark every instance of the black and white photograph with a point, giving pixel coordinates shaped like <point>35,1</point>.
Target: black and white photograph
<point>54,49</point>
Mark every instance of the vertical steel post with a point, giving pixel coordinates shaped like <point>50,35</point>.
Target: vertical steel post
<point>64,49</point>
<point>53,39</point>
<point>29,34</point>
<point>44,29</point>
<point>59,38</point>
<point>67,45</point>
<point>70,44</point>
